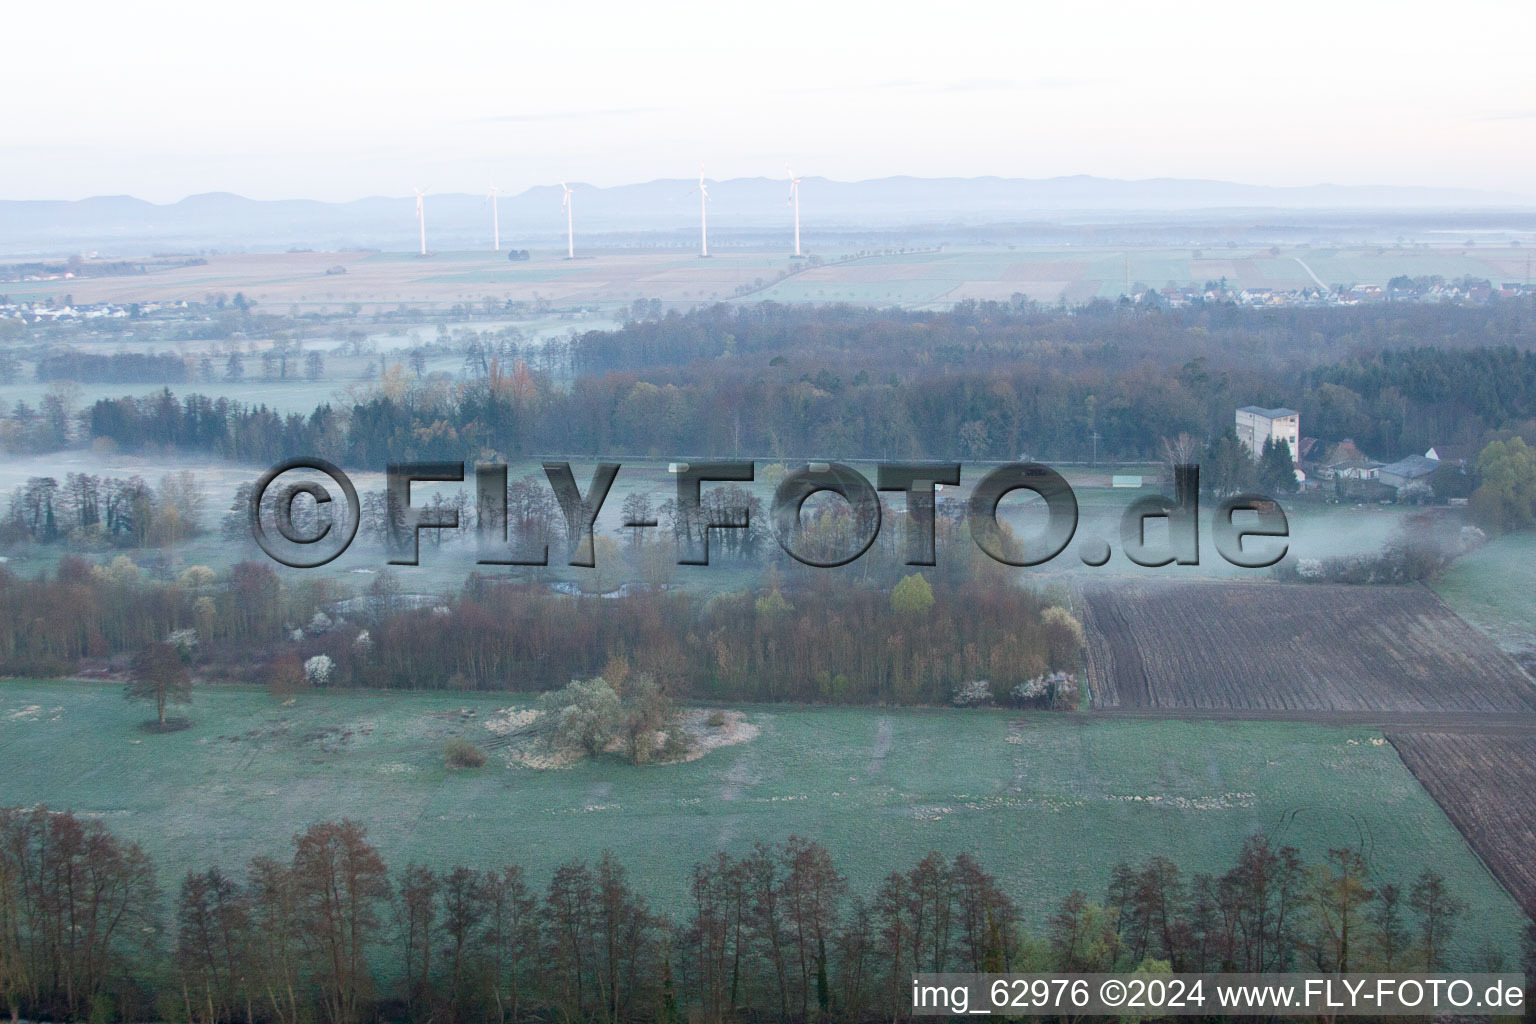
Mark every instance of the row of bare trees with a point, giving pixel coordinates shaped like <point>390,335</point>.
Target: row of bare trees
<point>74,903</point>
<point>331,935</point>
<point>50,622</point>
<point>828,639</point>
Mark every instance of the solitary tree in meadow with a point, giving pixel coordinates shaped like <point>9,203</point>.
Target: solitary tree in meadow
<point>160,675</point>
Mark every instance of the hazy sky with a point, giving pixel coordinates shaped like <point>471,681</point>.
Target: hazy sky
<point>327,100</point>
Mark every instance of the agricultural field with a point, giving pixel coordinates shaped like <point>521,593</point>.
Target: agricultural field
<point>386,281</point>
<point>1494,588</point>
<point>1048,801</point>
<point>1293,647</point>
<point>1077,274</point>
<point>610,278</point>
<point>1487,785</point>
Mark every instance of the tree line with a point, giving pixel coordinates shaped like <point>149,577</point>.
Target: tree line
<point>835,642</point>
<point>116,368</point>
<point>121,512</point>
<point>50,624</point>
<point>331,933</point>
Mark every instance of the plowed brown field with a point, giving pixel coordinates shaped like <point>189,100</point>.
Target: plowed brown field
<point>1293,647</point>
<point>1487,787</point>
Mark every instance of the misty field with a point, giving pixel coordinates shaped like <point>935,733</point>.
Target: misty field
<point>1494,588</point>
<point>1316,531</point>
<point>609,278</point>
<point>1049,802</point>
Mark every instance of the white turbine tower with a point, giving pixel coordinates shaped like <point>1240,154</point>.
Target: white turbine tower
<point>421,217</point>
<point>570,231</point>
<point>794,200</point>
<point>703,191</point>
<point>495,219</point>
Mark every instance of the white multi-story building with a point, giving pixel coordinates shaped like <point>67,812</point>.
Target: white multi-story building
<point>1256,425</point>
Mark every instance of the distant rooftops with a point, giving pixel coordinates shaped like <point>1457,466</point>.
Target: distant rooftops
<point>1411,468</point>
<point>1451,453</point>
<point>1271,414</point>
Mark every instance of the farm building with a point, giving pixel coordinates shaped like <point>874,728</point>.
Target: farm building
<point>1457,454</point>
<point>1406,471</point>
<point>1256,425</point>
<point>1345,461</point>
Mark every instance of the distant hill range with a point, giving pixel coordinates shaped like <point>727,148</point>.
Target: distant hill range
<point>742,211</point>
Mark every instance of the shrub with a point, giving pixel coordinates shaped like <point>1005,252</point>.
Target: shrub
<point>198,577</point>
<point>1054,690</point>
<point>318,669</point>
<point>587,714</point>
<point>185,642</point>
<point>285,677</point>
<point>973,694</point>
<point>460,753</point>
<point>647,713</point>
<point>773,604</point>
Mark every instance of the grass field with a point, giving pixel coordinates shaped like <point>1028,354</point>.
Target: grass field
<point>1494,588</point>
<point>1049,803</point>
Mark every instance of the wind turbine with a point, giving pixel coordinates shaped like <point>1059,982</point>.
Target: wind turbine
<point>703,191</point>
<point>495,219</point>
<point>570,232</point>
<point>794,200</point>
<point>421,217</point>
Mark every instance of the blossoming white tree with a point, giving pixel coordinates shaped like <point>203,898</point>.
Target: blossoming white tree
<point>318,669</point>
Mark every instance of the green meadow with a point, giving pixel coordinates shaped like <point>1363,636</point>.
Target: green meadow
<point>1048,802</point>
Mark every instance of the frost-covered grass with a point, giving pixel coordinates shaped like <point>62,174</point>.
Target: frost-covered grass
<point>1494,588</point>
<point>1049,802</point>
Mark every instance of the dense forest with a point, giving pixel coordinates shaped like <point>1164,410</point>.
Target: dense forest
<point>980,382</point>
<point>331,933</point>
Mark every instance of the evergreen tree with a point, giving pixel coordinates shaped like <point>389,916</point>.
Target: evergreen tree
<point>1227,468</point>
<point>1277,473</point>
